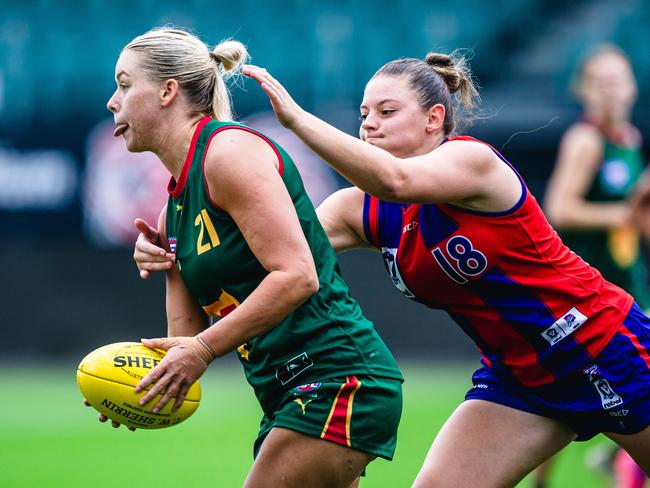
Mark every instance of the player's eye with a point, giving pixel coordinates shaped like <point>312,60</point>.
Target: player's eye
<point>363,117</point>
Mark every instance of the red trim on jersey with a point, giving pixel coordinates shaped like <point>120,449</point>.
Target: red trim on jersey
<point>373,214</point>
<point>337,427</point>
<point>246,129</point>
<point>486,360</point>
<point>175,188</point>
<point>643,352</point>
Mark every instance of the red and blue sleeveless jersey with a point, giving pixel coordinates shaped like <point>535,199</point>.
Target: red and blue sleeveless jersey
<point>530,304</point>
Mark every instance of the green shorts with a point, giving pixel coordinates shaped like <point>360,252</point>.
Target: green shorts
<point>361,412</point>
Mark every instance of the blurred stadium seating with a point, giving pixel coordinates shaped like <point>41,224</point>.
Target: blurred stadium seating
<point>56,74</point>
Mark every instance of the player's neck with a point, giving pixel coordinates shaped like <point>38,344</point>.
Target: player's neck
<point>174,144</point>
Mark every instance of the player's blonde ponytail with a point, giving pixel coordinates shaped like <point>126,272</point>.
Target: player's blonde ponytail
<point>228,56</point>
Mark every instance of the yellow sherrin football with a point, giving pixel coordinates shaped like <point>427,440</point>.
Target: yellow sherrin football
<point>107,378</point>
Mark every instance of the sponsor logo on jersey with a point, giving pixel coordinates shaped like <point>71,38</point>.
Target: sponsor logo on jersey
<point>307,388</point>
<point>608,397</point>
<point>409,226</point>
<point>619,413</point>
<point>293,368</point>
<point>172,243</point>
<point>564,326</point>
<point>302,405</point>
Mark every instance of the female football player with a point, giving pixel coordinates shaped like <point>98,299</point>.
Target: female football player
<point>564,351</point>
<point>250,252</point>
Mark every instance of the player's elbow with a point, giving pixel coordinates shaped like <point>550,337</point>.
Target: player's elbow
<point>556,215</point>
<point>304,280</point>
<point>393,187</point>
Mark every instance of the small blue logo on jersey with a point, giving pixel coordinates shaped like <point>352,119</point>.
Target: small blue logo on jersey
<point>307,388</point>
<point>564,326</point>
<point>172,243</point>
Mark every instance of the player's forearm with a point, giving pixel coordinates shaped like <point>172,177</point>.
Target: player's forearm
<point>185,317</point>
<point>279,294</point>
<point>590,216</point>
<point>370,168</point>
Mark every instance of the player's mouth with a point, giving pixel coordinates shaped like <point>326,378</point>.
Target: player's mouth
<point>373,139</point>
<point>120,129</point>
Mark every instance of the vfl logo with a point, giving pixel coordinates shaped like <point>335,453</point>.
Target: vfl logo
<point>564,326</point>
<point>608,397</point>
<point>172,243</point>
<point>390,261</point>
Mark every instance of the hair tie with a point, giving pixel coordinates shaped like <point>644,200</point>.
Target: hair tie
<point>215,58</point>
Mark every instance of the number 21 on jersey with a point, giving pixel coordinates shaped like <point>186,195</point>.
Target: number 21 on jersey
<point>205,224</point>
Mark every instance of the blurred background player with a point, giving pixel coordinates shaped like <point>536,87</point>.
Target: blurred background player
<point>589,196</point>
<point>252,254</point>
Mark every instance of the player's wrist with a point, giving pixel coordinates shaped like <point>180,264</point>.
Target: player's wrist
<point>203,350</point>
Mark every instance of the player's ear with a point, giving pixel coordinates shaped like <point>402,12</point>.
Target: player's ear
<point>435,117</point>
<point>168,92</point>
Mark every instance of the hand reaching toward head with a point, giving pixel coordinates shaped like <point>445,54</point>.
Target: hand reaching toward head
<point>286,109</point>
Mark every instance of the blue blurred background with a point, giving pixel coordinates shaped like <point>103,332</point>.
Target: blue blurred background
<point>69,191</point>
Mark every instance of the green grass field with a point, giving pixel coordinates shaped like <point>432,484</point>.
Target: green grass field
<point>49,439</point>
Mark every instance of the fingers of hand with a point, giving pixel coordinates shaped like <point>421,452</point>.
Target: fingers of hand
<point>181,368</point>
<point>146,229</point>
<point>181,397</point>
<point>155,390</point>
<point>149,251</point>
<point>152,377</point>
<point>172,391</point>
<point>160,343</point>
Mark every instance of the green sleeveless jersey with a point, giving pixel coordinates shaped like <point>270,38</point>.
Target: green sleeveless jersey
<point>615,252</point>
<point>326,337</point>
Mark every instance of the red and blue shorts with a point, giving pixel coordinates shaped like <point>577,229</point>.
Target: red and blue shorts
<point>611,394</point>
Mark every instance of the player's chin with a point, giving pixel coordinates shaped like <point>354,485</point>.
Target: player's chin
<point>133,146</point>
<point>376,141</point>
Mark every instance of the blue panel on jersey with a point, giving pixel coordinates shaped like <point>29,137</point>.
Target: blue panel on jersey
<point>471,332</point>
<point>527,315</point>
<point>390,223</point>
<point>435,225</point>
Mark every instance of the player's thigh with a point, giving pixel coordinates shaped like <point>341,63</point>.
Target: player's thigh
<point>489,445</point>
<point>637,446</point>
<point>290,459</point>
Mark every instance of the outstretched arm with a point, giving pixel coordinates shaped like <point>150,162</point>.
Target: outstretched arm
<point>462,172</point>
